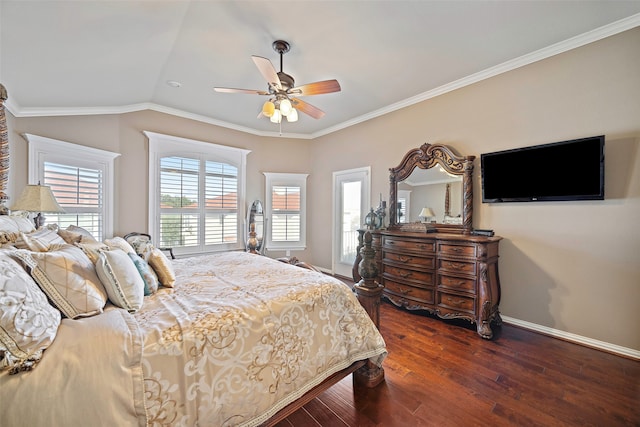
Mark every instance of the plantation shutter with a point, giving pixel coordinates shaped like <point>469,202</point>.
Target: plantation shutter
<point>285,206</point>
<point>80,193</point>
<point>198,202</point>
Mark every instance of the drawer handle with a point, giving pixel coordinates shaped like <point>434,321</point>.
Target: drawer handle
<point>422,246</point>
<point>405,275</point>
<point>456,265</point>
<point>456,249</point>
<point>456,303</point>
<point>450,282</point>
<point>405,291</point>
<point>405,258</point>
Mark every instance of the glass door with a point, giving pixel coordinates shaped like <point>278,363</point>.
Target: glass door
<point>351,202</point>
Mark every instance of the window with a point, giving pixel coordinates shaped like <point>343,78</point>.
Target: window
<point>81,179</point>
<point>285,205</point>
<point>196,194</point>
<point>404,206</point>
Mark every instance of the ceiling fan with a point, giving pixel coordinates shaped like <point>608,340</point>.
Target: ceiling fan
<point>282,93</point>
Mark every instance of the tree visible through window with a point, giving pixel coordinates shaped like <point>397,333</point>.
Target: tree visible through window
<point>198,202</point>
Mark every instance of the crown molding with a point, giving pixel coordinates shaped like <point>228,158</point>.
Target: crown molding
<point>600,33</point>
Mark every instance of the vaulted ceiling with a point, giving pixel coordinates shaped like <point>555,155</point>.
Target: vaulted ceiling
<point>104,57</point>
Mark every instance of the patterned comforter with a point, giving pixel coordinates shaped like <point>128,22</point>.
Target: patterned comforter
<point>239,337</point>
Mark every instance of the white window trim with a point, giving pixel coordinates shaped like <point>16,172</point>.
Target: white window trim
<point>161,145</point>
<point>43,149</point>
<point>287,179</point>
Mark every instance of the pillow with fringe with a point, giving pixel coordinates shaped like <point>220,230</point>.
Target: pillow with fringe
<point>121,279</point>
<point>28,323</point>
<point>68,277</point>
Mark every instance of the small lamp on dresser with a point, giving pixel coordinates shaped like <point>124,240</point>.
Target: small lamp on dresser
<point>426,214</point>
<point>37,198</point>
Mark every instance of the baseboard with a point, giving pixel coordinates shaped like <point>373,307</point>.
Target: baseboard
<point>578,339</point>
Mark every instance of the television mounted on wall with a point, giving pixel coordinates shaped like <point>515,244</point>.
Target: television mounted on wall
<point>566,170</point>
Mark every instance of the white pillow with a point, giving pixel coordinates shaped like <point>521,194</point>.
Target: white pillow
<point>12,225</point>
<point>28,323</point>
<point>121,279</point>
<point>69,279</point>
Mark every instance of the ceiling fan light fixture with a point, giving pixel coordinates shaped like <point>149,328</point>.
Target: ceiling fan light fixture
<point>276,117</point>
<point>292,116</point>
<point>268,109</point>
<point>285,106</point>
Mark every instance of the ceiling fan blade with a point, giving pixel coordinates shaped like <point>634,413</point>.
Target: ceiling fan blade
<point>234,90</point>
<point>268,72</point>
<point>317,88</point>
<point>306,108</point>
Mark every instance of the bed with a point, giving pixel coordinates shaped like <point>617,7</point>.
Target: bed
<point>237,339</point>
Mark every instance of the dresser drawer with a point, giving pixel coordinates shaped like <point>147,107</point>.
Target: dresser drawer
<point>400,273</point>
<point>457,249</point>
<point>457,266</point>
<point>419,294</point>
<point>415,261</point>
<point>419,246</point>
<point>457,283</point>
<point>456,302</point>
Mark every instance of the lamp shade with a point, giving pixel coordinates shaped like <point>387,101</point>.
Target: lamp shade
<point>427,213</point>
<point>37,198</point>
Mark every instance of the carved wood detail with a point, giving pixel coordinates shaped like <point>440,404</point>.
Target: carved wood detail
<point>426,157</point>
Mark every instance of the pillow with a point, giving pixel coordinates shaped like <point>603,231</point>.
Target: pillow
<point>141,245</point>
<point>163,267</point>
<point>38,241</point>
<point>12,225</point>
<point>28,323</point>
<point>79,230</point>
<point>121,279</point>
<point>92,249</point>
<point>68,278</point>
<point>119,243</point>
<point>149,276</point>
<point>74,234</point>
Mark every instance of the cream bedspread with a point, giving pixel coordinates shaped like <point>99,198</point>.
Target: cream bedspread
<point>239,337</point>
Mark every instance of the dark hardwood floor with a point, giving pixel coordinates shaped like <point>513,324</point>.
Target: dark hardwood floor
<point>441,373</point>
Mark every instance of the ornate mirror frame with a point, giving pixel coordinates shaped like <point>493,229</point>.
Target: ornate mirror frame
<point>426,157</point>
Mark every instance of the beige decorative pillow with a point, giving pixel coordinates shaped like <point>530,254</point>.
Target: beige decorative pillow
<point>119,243</point>
<point>79,230</point>
<point>92,249</point>
<point>121,279</point>
<point>28,323</point>
<point>69,279</point>
<point>163,267</point>
<point>38,241</point>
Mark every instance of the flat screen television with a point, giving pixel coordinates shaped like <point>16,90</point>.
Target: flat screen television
<point>567,170</point>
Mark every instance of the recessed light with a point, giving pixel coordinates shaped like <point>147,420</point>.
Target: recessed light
<point>173,83</point>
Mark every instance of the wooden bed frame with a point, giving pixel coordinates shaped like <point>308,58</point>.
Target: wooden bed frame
<point>367,290</point>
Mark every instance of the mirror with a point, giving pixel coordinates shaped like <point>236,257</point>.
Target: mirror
<point>255,224</point>
<point>435,182</point>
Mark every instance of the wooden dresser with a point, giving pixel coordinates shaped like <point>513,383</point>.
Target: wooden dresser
<point>449,275</point>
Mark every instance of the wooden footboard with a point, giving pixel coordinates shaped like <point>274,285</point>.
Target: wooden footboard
<point>313,393</point>
<point>365,373</point>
